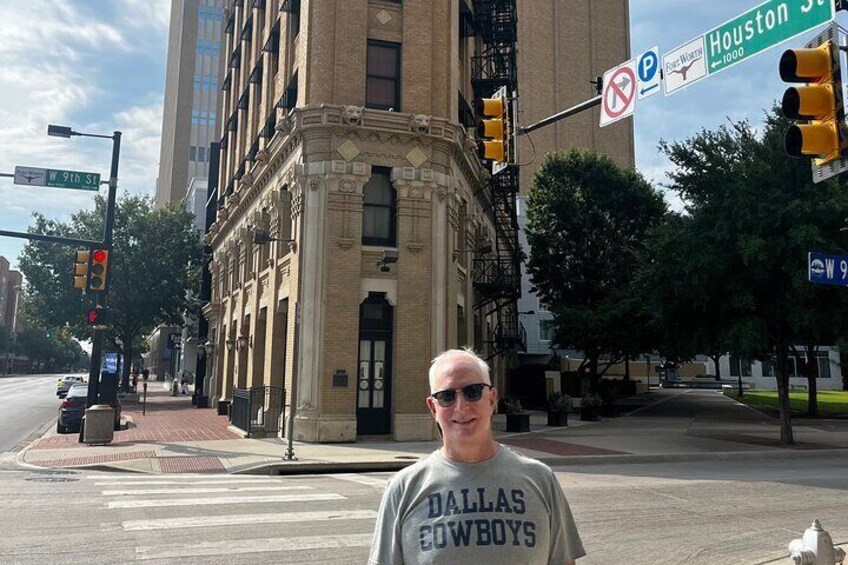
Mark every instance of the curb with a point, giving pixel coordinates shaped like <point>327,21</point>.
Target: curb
<point>323,467</point>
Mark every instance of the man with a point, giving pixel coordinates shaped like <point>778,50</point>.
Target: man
<point>473,500</point>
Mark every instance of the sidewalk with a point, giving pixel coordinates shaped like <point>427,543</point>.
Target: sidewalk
<point>176,437</point>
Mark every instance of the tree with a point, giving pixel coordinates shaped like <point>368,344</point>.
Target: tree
<point>587,223</point>
<point>755,214</point>
<point>155,260</point>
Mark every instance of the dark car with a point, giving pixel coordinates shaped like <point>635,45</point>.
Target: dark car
<point>72,410</point>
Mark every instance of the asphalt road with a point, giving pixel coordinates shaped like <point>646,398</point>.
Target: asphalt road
<point>27,403</point>
<point>742,512</point>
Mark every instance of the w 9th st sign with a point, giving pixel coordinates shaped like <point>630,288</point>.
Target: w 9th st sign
<point>827,269</point>
<point>742,37</point>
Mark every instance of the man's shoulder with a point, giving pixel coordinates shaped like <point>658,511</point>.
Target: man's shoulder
<point>416,470</point>
<point>528,464</point>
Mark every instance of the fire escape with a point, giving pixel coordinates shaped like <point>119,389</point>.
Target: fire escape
<point>497,276</point>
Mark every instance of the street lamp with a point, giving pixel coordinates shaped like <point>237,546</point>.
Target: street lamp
<point>102,297</point>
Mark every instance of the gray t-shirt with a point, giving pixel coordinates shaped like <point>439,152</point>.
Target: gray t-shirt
<point>507,510</point>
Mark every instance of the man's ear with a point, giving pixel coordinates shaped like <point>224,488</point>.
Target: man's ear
<point>494,399</point>
<point>429,400</point>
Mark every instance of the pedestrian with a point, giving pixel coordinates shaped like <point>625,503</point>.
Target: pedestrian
<point>473,500</point>
<point>184,383</point>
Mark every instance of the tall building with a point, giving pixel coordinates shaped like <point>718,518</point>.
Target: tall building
<point>189,126</point>
<point>357,234</point>
<point>563,47</point>
<point>10,289</point>
<point>192,89</point>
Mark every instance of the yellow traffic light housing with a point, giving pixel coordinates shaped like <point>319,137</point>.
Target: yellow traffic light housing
<point>819,102</point>
<point>493,128</point>
<point>98,270</point>
<point>81,268</point>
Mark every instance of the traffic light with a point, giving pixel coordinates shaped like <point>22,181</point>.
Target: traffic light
<point>817,105</point>
<point>494,128</point>
<point>48,332</point>
<point>81,268</point>
<point>98,270</point>
<point>96,316</point>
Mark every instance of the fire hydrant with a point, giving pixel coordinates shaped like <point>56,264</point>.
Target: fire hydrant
<point>815,548</point>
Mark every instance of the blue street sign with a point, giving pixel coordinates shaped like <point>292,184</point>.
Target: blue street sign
<point>110,363</point>
<point>827,269</point>
<point>648,70</point>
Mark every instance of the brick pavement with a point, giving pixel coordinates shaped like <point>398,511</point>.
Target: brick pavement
<point>168,419</point>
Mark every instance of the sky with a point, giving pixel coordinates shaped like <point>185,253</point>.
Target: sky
<point>99,66</point>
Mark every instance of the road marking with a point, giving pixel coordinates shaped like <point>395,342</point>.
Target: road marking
<point>361,479</point>
<point>241,546</point>
<point>202,490</point>
<point>246,519</point>
<point>223,500</point>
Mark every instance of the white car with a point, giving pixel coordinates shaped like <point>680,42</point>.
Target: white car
<point>65,384</point>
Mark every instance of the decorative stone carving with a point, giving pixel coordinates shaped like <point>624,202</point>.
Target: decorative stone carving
<point>383,17</point>
<point>345,242</point>
<point>284,123</point>
<point>349,150</point>
<point>246,180</point>
<point>420,123</point>
<point>347,186</point>
<point>352,115</point>
<point>414,247</point>
<point>314,184</point>
<point>416,158</point>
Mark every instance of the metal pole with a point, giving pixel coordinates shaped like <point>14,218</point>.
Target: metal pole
<point>289,455</point>
<point>102,297</point>
<point>559,116</point>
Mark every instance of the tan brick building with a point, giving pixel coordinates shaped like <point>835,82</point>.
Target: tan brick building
<point>351,210</point>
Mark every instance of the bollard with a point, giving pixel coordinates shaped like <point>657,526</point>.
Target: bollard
<point>815,548</point>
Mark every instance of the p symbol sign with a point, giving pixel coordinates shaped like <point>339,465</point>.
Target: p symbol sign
<point>648,70</point>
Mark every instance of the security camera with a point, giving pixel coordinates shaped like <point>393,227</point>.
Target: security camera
<point>385,268</point>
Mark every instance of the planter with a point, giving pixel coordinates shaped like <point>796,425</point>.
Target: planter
<point>223,407</point>
<point>590,413</point>
<point>518,422</point>
<point>557,418</point>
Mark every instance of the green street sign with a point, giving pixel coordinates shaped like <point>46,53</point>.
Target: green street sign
<point>56,178</point>
<point>760,28</point>
<point>740,38</point>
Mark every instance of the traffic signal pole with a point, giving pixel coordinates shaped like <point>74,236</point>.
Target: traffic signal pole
<point>592,102</point>
<point>102,297</point>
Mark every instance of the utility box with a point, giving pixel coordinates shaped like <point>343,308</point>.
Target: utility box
<point>99,424</point>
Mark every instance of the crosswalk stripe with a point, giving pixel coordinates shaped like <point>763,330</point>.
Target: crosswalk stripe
<point>223,500</point>
<point>182,477</point>
<point>246,519</point>
<point>241,546</point>
<point>361,479</point>
<point>202,490</point>
<point>165,482</point>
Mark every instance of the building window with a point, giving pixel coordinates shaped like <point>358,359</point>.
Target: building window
<point>823,361</point>
<point>380,209</point>
<point>768,368</point>
<point>546,330</point>
<point>382,90</point>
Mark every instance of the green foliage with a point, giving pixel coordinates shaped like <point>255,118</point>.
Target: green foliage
<point>831,403</point>
<point>559,402</point>
<point>512,405</point>
<point>591,400</point>
<point>588,220</point>
<point>154,262</point>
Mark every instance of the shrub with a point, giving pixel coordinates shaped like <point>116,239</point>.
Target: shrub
<point>512,406</point>
<point>559,402</point>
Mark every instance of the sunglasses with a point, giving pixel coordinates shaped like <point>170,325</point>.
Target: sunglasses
<point>471,393</point>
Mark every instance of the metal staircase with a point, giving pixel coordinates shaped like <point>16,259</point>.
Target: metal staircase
<point>497,276</point>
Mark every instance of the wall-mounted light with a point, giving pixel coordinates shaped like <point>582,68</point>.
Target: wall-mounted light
<point>230,344</point>
<point>388,257</point>
<point>242,342</point>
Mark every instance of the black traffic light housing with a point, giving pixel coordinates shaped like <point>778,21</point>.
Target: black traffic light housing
<point>98,270</point>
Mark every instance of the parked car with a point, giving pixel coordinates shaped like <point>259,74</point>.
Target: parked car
<point>72,410</point>
<point>65,384</point>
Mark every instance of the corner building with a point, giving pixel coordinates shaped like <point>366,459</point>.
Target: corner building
<point>347,142</point>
